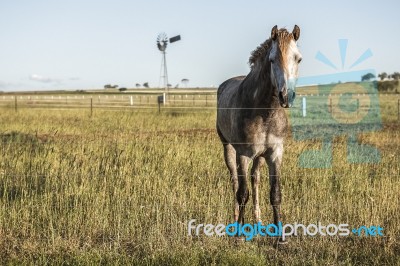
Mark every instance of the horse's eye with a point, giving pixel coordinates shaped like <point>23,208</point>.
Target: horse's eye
<point>299,60</point>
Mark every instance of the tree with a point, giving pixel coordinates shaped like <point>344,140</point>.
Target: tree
<point>122,89</point>
<point>185,82</point>
<point>367,77</point>
<point>396,75</point>
<point>383,75</point>
<point>146,85</point>
<point>109,86</point>
<point>137,85</point>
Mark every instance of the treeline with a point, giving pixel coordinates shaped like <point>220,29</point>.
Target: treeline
<point>389,82</point>
<point>384,75</point>
<point>389,86</point>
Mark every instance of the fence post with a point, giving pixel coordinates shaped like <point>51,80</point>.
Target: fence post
<point>398,110</point>
<point>304,106</point>
<point>358,106</point>
<point>16,105</point>
<point>91,106</point>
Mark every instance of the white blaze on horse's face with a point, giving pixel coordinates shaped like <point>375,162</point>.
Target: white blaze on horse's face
<point>293,59</point>
<point>284,66</point>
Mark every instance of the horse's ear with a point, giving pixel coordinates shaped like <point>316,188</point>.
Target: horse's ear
<point>274,32</point>
<point>296,32</point>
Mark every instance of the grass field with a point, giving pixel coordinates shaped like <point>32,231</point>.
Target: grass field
<point>120,186</point>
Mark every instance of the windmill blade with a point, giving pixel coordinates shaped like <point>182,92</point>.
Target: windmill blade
<point>162,41</point>
<point>161,46</point>
<point>175,38</point>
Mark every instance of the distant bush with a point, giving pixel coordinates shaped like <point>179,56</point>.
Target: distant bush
<point>389,86</point>
<point>109,86</point>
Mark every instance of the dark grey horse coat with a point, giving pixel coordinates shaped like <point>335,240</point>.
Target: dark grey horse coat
<point>251,120</point>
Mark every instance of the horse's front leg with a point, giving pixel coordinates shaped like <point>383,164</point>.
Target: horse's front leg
<point>274,159</point>
<point>255,181</point>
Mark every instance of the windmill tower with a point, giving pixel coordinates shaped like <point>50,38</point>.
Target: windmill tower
<point>162,42</point>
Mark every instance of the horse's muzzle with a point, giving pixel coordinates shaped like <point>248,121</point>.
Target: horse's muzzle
<point>286,98</point>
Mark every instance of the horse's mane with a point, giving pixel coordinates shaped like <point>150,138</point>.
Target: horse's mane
<point>284,38</point>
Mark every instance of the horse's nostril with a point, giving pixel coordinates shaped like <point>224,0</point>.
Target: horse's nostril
<point>281,97</point>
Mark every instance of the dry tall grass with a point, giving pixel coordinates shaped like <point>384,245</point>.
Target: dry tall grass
<point>120,187</point>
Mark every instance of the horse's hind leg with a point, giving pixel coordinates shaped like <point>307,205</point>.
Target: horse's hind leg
<point>230,160</point>
<point>255,181</point>
<point>242,195</point>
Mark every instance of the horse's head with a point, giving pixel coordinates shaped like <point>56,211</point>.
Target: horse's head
<point>284,58</point>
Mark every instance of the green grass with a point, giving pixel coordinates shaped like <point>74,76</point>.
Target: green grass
<point>120,187</point>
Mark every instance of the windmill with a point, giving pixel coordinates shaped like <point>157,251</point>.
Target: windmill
<point>162,42</point>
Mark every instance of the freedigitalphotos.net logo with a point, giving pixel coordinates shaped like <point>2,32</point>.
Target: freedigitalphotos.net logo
<point>249,231</point>
<point>346,103</point>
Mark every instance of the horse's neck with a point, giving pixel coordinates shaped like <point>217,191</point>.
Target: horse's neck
<point>257,90</point>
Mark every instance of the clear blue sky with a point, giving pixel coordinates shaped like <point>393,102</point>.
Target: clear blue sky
<point>85,44</point>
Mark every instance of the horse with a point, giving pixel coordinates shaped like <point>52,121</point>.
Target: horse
<point>251,119</point>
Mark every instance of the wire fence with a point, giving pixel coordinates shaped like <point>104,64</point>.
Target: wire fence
<point>106,101</point>
<point>182,102</point>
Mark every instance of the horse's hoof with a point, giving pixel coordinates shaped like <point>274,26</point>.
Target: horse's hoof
<point>240,239</point>
<point>282,242</point>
